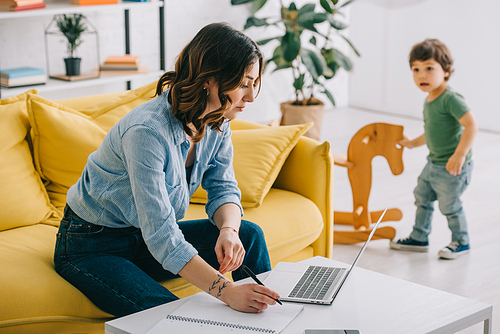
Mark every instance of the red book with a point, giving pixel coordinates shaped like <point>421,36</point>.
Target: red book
<point>15,3</point>
<point>93,2</point>
<point>127,59</point>
<point>20,8</point>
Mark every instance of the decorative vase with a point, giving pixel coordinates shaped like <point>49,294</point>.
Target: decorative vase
<point>72,66</point>
<point>300,114</point>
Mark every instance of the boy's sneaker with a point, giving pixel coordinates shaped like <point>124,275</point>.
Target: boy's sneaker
<point>453,250</point>
<point>409,244</point>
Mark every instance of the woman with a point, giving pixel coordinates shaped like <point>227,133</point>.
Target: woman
<point>121,231</point>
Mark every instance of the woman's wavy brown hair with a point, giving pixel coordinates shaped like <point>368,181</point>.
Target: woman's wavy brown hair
<point>217,51</point>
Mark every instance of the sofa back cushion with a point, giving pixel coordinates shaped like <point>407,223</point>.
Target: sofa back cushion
<point>259,155</point>
<point>23,199</point>
<point>63,137</point>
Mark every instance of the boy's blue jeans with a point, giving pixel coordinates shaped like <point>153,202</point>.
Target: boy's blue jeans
<point>435,183</point>
<point>115,270</point>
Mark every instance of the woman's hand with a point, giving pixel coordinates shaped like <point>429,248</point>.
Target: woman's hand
<point>229,250</point>
<point>251,297</point>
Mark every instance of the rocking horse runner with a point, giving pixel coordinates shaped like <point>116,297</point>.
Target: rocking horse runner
<point>372,140</point>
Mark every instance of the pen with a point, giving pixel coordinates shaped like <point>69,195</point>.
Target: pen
<point>252,275</point>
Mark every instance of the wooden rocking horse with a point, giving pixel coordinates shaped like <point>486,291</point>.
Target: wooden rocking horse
<point>372,140</point>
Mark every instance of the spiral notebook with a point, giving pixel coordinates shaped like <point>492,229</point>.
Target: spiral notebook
<point>203,313</point>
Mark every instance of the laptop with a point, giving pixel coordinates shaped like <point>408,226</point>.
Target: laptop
<point>313,284</point>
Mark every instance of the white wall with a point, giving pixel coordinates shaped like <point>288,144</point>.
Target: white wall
<point>385,31</point>
<point>185,18</point>
<point>22,44</point>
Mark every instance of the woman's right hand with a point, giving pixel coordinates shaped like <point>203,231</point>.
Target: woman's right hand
<point>251,297</point>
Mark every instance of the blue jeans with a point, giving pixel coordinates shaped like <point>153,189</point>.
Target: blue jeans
<point>435,183</point>
<point>115,270</point>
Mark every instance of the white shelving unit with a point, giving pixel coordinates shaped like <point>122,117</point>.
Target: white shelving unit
<point>65,8</point>
<point>53,85</point>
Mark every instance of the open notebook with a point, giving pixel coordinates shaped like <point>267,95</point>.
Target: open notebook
<point>203,313</point>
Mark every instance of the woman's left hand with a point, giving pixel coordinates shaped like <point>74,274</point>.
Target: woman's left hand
<point>229,250</point>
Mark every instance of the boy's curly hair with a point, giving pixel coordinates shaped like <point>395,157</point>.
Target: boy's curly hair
<point>433,48</point>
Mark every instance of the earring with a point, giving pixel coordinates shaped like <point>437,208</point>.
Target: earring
<point>208,91</point>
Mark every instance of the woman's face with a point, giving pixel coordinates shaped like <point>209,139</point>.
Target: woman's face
<point>240,96</point>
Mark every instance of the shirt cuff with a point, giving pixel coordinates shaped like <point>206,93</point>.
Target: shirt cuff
<point>214,205</point>
<point>177,259</point>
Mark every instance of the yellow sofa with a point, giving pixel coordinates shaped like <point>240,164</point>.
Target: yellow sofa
<point>286,183</point>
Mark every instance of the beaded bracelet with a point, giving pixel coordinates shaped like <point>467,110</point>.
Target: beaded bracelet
<point>232,228</point>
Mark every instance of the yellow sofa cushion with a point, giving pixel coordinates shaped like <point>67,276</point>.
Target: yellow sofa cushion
<point>36,294</point>
<point>41,301</point>
<point>23,199</point>
<point>259,155</point>
<point>63,137</point>
<point>296,229</point>
<point>108,112</point>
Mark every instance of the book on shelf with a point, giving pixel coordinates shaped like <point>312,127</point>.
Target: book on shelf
<point>140,69</point>
<point>14,3</point>
<point>22,76</point>
<point>93,2</point>
<point>122,63</point>
<point>125,59</point>
<point>119,66</point>
<point>17,8</point>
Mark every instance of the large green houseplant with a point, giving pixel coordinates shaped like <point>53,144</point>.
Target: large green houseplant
<point>305,45</point>
<point>72,26</point>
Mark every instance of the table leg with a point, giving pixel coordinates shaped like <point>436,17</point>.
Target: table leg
<point>487,326</point>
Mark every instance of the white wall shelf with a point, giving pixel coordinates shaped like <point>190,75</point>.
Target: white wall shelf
<point>54,85</point>
<point>64,7</point>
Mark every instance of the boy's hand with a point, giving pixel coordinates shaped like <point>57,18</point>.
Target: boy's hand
<point>406,142</point>
<point>455,163</point>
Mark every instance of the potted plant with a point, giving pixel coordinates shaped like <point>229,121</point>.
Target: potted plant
<point>312,56</point>
<point>72,26</point>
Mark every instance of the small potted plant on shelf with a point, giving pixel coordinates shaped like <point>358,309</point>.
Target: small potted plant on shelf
<point>312,57</point>
<point>72,26</point>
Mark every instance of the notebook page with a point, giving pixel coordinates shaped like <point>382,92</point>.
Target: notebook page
<point>203,313</point>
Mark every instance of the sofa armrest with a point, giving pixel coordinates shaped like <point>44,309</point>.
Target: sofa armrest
<point>308,171</point>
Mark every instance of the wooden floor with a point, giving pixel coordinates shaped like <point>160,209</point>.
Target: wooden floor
<point>476,275</point>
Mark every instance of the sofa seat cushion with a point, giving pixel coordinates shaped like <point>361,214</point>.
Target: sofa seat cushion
<point>287,229</point>
<point>36,299</point>
<point>32,292</point>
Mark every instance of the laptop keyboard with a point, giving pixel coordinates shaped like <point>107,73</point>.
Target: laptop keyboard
<point>315,282</point>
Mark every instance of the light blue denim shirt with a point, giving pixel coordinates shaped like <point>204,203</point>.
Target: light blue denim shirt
<point>137,177</point>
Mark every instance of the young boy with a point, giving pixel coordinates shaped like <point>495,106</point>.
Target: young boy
<point>450,128</point>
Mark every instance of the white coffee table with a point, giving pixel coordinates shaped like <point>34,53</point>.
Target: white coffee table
<point>370,302</point>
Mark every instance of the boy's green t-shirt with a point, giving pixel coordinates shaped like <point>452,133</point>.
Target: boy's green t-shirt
<point>442,129</point>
